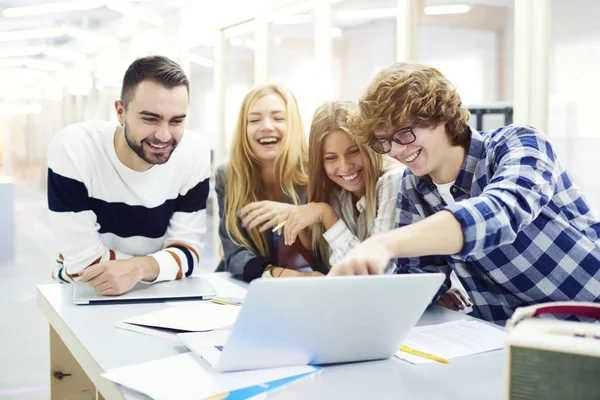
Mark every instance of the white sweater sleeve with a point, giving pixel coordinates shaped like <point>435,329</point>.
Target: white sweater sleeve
<point>73,222</point>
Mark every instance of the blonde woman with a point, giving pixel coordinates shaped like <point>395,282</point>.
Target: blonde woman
<point>264,177</point>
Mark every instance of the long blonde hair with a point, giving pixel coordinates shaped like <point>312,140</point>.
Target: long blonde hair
<point>244,181</point>
<point>329,117</point>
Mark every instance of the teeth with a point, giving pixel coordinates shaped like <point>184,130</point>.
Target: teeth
<point>411,158</point>
<point>350,177</point>
<point>268,140</point>
<point>156,146</point>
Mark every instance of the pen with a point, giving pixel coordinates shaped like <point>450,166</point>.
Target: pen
<point>218,396</point>
<point>415,352</point>
<point>222,302</point>
<point>278,227</point>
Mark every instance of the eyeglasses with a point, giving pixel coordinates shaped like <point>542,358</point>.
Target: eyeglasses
<point>402,136</point>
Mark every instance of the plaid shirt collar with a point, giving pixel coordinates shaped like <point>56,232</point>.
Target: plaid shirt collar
<point>464,179</point>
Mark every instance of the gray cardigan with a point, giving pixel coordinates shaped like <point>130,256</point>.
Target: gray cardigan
<point>241,262</point>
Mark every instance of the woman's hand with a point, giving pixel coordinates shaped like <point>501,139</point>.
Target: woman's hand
<point>265,213</point>
<point>300,218</point>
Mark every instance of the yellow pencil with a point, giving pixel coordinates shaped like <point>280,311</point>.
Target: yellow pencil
<point>224,303</point>
<point>278,227</point>
<point>419,353</point>
<point>218,396</point>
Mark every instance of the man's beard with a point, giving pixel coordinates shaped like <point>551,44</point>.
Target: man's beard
<point>150,158</point>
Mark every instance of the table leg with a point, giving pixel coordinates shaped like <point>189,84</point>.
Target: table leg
<point>66,376</point>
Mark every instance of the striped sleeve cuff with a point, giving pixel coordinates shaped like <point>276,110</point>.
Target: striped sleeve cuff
<point>188,255</point>
<point>169,265</point>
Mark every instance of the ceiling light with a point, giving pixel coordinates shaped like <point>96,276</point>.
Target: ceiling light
<point>205,62</point>
<point>32,63</point>
<point>30,51</point>
<point>88,36</point>
<point>27,34</point>
<point>135,12</point>
<point>20,52</point>
<point>43,65</point>
<point>51,8</point>
<point>452,9</point>
<point>18,110</point>
<point>62,54</point>
<point>11,63</point>
<point>373,13</point>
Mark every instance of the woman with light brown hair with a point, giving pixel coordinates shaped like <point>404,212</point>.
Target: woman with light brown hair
<point>352,191</point>
<point>264,177</point>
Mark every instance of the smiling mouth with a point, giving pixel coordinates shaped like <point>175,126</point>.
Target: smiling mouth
<point>412,157</point>
<point>267,141</point>
<point>158,146</point>
<point>351,177</point>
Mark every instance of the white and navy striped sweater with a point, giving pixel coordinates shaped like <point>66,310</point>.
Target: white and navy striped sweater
<point>101,210</point>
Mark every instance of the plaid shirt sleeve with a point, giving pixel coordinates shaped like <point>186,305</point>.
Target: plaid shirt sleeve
<point>523,182</point>
<point>410,211</point>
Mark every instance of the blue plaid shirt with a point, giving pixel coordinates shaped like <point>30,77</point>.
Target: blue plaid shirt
<point>529,235</point>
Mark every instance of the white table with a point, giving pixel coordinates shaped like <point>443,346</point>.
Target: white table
<point>90,335</point>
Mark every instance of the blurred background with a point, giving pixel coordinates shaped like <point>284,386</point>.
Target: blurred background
<point>522,61</point>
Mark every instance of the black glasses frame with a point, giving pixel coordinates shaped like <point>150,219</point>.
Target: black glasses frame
<point>373,144</point>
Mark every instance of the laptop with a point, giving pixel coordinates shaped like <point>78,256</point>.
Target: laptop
<point>315,320</point>
<point>194,287</point>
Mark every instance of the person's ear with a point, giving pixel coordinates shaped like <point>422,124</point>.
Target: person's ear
<point>120,109</point>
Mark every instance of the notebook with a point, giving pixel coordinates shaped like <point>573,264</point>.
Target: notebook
<point>189,288</point>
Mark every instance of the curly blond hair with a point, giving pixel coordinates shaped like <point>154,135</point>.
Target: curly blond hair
<point>404,92</point>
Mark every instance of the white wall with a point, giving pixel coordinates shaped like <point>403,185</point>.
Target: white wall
<point>573,87</point>
<point>364,50</point>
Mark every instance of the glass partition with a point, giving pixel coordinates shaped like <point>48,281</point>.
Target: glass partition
<point>364,42</point>
<point>239,76</point>
<point>472,44</point>
<point>291,58</point>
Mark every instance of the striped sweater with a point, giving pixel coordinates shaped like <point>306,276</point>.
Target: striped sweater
<point>101,210</point>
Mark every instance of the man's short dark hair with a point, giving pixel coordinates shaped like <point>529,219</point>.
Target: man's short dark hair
<point>157,69</point>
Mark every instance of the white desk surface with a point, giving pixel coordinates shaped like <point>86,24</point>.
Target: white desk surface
<point>90,334</point>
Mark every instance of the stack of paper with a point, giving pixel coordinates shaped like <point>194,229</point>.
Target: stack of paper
<point>192,317</point>
<point>452,339</point>
<point>187,377</point>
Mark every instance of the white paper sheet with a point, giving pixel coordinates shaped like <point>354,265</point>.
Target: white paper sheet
<point>452,339</point>
<point>224,288</point>
<point>189,317</point>
<point>187,377</point>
